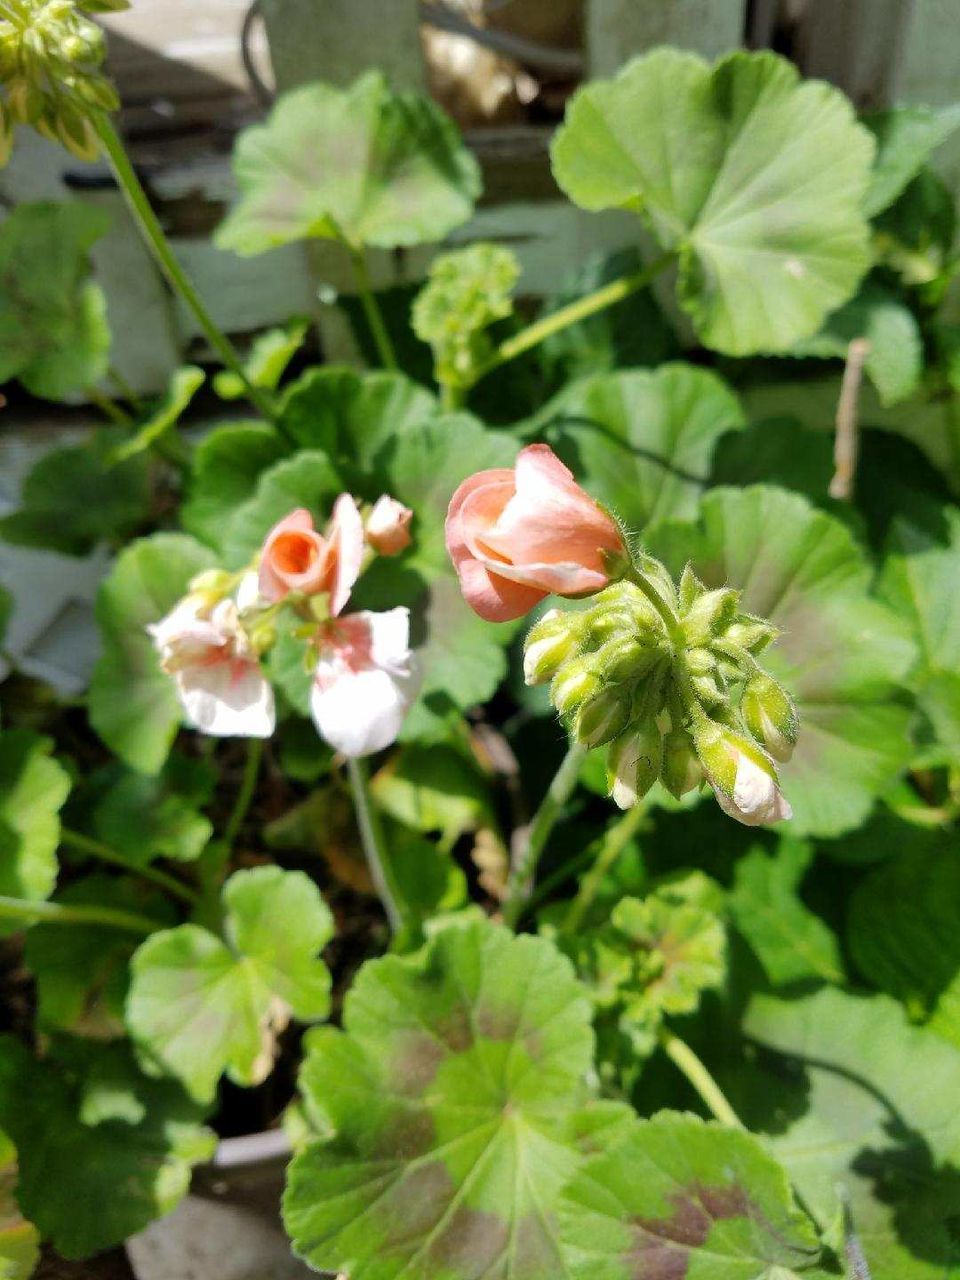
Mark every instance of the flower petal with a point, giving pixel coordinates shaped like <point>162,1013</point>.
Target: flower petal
<point>228,699</point>
<point>345,539</point>
<point>362,712</point>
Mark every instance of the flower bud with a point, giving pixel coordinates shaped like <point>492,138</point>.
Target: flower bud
<point>634,764</point>
<point>681,770</point>
<point>742,775</point>
<point>549,644</point>
<point>709,690</point>
<point>214,582</point>
<point>626,657</point>
<point>770,715</point>
<point>601,718</point>
<point>752,634</point>
<point>387,528</point>
<point>701,662</point>
<point>575,681</point>
<point>709,614</point>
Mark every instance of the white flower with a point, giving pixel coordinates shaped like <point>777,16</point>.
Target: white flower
<point>756,799</point>
<point>365,681</point>
<point>217,675</point>
<point>388,526</point>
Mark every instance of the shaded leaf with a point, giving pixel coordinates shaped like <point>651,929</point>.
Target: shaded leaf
<point>433,789</point>
<point>19,1242</point>
<point>453,1098</point>
<point>306,479</point>
<point>33,788</point>
<point>146,817</point>
<point>754,179</point>
<point>790,941</point>
<point>132,705</point>
<point>362,163</point>
<point>906,137</point>
<point>265,362</point>
<point>225,469</point>
<point>199,1006</point>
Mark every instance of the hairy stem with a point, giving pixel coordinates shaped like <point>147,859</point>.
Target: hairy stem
<point>96,849</point>
<point>846,444</point>
<point>558,793</point>
<point>615,840</point>
<point>248,783</point>
<point>606,296</point>
<point>60,913</point>
<point>687,1062</point>
<point>371,308</point>
<point>371,837</point>
<point>163,254</point>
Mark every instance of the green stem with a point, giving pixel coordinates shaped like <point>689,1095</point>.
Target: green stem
<point>606,296</point>
<point>60,913</point>
<point>159,246</point>
<point>84,844</point>
<point>371,308</point>
<point>552,805</point>
<point>665,610</point>
<point>615,841</point>
<point>687,1062</point>
<point>371,837</point>
<point>109,408</point>
<point>125,389</point>
<point>248,783</point>
<point>451,397</point>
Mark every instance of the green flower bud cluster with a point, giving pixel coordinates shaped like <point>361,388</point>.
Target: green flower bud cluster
<point>50,56</point>
<point>668,677</point>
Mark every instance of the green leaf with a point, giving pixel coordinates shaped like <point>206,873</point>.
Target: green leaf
<point>75,497</point>
<point>642,441</point>
<point>907,137</point>
<point>132,705</point>
<point>54,336</point>
<point>146,817</point>
<point>914,237</point>
<point>33,788</point>
<point>265,362</point>
<point>307,479</point>
<point>19,1242</point>
<point>874,1109</point>
<point>453,1098</point>
<point>466,292</point>
<point>434,789</point>
<point>904,929</point>
<point>226,467</point>
<point>681,1197</point>
<point>182,386</point>
<point>754,179</point>
<point>362,163</point>
<point>81,972</point>
<point>894,361</point>
<point>790,942</point>
<point>199,1006</point>
<point>88,1186</point>
<point>842,655</point>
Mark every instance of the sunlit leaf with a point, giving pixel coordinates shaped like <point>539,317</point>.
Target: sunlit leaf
<point>362,163</point>
<point>200,1006</point>
<point>33,788</point>
<point>754,178</point>
<point>265,362</point>
<point>183,385</point>
<point>19,1242</point>
<point>434,789</point>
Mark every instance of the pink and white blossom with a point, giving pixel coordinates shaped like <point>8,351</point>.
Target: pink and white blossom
<point>295,557</point>
<point>388,526</point>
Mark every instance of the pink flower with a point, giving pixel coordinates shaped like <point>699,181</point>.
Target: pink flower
<point>297,558</point>
<point>388,526</point>
<point>364,682</point>
<point>217,675</point>
<point>518,535</point>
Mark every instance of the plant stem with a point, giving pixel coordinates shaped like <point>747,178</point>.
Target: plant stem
<point>558,793</point>
<point>614,842</point>
<point>102,851</point>
<point>687,1062</point>
<point>248,784</point>
<point>125,389</point>
<point>109,408</point>
<point>371,308</point>
<point>666,612</point>
<point>451,397</point>
<point>60,913</point>
<point>159,246</point>
<point>371,837</point>
<point>606,296</point>
<point>846,444</point>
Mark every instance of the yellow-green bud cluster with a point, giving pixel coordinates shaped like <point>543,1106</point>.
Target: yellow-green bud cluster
<point>50,56</point>
<point>658,671</point>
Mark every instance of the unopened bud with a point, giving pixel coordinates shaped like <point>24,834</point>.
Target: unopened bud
<point>770,715</point>
<point>387,529</point>
<point>213,582</point>
<point>601,718</point>
<point>709,614</point>
<point>709,690</point>
<point>626,657</point>
<point>681,770</point>
<point>701,662</point>
<point>743,777</point>
<point>634,764</point>
<point>753,635</point>
<point>549,644</point>
<point>690,588</point>
<point>574,682</point>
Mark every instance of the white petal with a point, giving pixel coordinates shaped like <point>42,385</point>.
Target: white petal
<point>389,639</point>
<point>228,699</point>
<point>756,799</point>
<point>362,712</point>
<point>247,594</point>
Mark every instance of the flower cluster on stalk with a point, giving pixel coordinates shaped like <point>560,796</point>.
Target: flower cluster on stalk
<point>364,676</point>
<point>666,675</point>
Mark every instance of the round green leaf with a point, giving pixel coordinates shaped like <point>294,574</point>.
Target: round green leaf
<point>907,137</point>
<point>642,441</point>
<point>307,479</point>
<point>454,1099</point>
<point>680,1197</point>
<point>145,817</point>
<point>132,705</point>
<point>33,788</point>
<point>199,1006</point>
<point>842,655</point>
<point>755,179</point>
<point>362,163</point>
<point>225,469</point>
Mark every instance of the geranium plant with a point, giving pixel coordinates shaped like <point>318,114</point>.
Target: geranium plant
<point>458,674</point>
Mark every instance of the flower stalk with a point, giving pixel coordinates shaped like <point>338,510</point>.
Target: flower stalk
<point>29,913</point>
<point>372,840</point>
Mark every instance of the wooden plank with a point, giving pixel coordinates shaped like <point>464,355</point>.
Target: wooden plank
<point>856,45</point>
<point>335,40</point>
<point>928,69</point>
<point>618,29</point>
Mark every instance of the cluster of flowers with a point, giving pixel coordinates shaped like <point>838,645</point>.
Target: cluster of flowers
<point>667,675</point>
<point>364,675</point>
